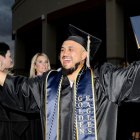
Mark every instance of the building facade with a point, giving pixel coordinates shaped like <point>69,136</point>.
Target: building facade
<point>41,26</point>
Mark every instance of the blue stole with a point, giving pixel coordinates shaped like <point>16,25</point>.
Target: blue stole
<point>84,108</point>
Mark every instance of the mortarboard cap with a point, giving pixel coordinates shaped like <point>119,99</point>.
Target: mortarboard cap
<point>89,42</point>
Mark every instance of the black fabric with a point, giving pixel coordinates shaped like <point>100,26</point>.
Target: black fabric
<point>66,111</point>
<point>16,125</point>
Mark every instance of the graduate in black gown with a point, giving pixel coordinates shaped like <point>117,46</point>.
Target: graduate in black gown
<point>15,125</point>
<point>75,102</point>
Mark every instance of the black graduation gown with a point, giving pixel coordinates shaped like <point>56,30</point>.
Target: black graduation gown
<point>113,86</point>
<point>16,125</point>
<point>66,111</point>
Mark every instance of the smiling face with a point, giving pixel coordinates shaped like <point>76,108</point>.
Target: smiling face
<point>71,54</point>
<point>41,65</point>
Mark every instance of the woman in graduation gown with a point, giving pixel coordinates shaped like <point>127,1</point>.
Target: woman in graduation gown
<point>13,125</point>
<point>40,63</point>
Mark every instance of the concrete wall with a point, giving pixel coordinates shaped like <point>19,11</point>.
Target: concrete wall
<point>26,11</point>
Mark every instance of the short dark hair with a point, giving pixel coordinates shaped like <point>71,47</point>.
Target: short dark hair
<point>4,48</point>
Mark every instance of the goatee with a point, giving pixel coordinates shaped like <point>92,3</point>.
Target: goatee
<point>66,72</point>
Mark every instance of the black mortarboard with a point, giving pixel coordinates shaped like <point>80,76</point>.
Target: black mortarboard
<point>89,42</point>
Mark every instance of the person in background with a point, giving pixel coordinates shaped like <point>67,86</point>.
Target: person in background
<point>76,102</point>
<point>40,63</point>
<point>6,131</point>
<point>13,125</point>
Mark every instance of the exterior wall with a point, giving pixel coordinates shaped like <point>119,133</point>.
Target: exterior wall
<point>54,5</point>
<point>25,11</point>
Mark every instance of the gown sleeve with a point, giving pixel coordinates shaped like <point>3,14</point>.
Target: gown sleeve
<point>121,84</point>
<point>21,93</point>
